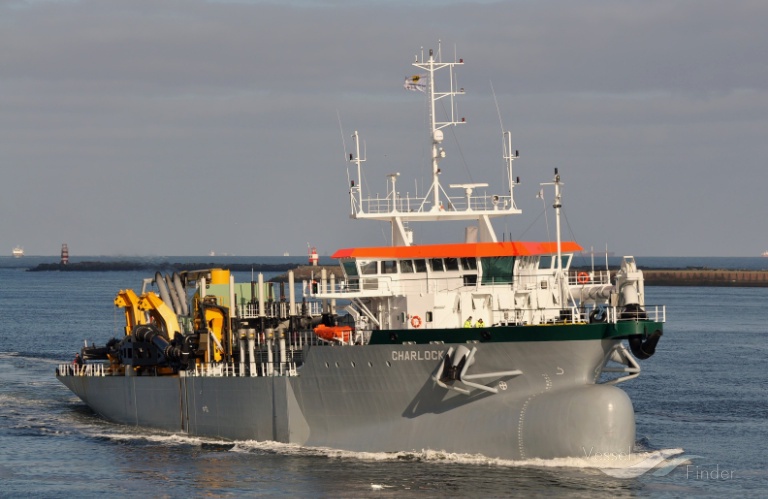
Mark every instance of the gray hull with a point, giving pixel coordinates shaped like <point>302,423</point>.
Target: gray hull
<point>382,398</point>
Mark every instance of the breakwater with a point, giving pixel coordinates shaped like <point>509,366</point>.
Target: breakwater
<point>96,266</point>
<point>301,272</point>
<point>705,277</point>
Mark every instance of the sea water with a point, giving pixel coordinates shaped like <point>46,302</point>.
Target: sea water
<point>701,403</point>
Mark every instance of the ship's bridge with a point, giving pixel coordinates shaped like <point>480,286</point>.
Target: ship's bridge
<point>400,270</point>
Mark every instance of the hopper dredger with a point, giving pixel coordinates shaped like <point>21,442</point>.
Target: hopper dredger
<point>480,346</point>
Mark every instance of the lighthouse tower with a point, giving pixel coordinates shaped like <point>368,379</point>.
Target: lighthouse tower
<point>313,258</point>
<point>64,254</point>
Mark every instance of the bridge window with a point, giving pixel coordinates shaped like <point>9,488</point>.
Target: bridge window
<point>370,283</point>
<point>350,268</point>
<point>437,264</point>
<point>525,262</point>
<point>550,261</point>
<point>406,266</point>
<point>369,268</point>
<point>421,265</point>
<point>451,264</point>
<point>469,263</point>
<point>497,269</point>
<point>389,267</point>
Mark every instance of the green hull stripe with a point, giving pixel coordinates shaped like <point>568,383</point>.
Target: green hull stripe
<point>550,332</point>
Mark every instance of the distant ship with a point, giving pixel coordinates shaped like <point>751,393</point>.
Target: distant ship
<point>765,253</point>
<point>18,252</point>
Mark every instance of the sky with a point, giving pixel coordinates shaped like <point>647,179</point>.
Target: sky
<point>169,127</point>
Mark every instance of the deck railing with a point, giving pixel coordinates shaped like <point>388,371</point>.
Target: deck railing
<point>97,369</point>
<point>434,282</point>
<point>406,204</point>
<point>586,278</point>
<point>279,309</point>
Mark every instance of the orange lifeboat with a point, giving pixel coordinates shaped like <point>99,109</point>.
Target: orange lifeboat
<point>341,334</point>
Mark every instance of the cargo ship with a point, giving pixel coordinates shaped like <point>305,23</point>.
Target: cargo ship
<point>478,346</point>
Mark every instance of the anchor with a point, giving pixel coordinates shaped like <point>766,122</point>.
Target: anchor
<point>629,369</point>
<point>453,369</point>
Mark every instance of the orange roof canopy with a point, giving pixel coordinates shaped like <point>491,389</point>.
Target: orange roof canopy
<point>458,250</point>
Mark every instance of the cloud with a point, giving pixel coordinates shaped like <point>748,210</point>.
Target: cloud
<point>167,116</point>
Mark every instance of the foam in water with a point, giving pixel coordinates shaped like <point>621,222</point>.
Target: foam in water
<point>631,463</point>
<point>616,465</point>
<point>161,439</point>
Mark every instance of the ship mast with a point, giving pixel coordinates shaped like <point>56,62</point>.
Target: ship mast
<point>436,204</point>
<point>557,205</point>
<point>431,66</point>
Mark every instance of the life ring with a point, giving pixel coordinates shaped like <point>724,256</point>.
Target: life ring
<point>416,321</point>
<point>582,278</point>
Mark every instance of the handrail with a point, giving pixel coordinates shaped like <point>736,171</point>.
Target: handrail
<point>586,278</point>
<point>94,369</point>
<point>279,309</point>
<point>406,204</point>
<point>385,283</point>
<point>232,369</point>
